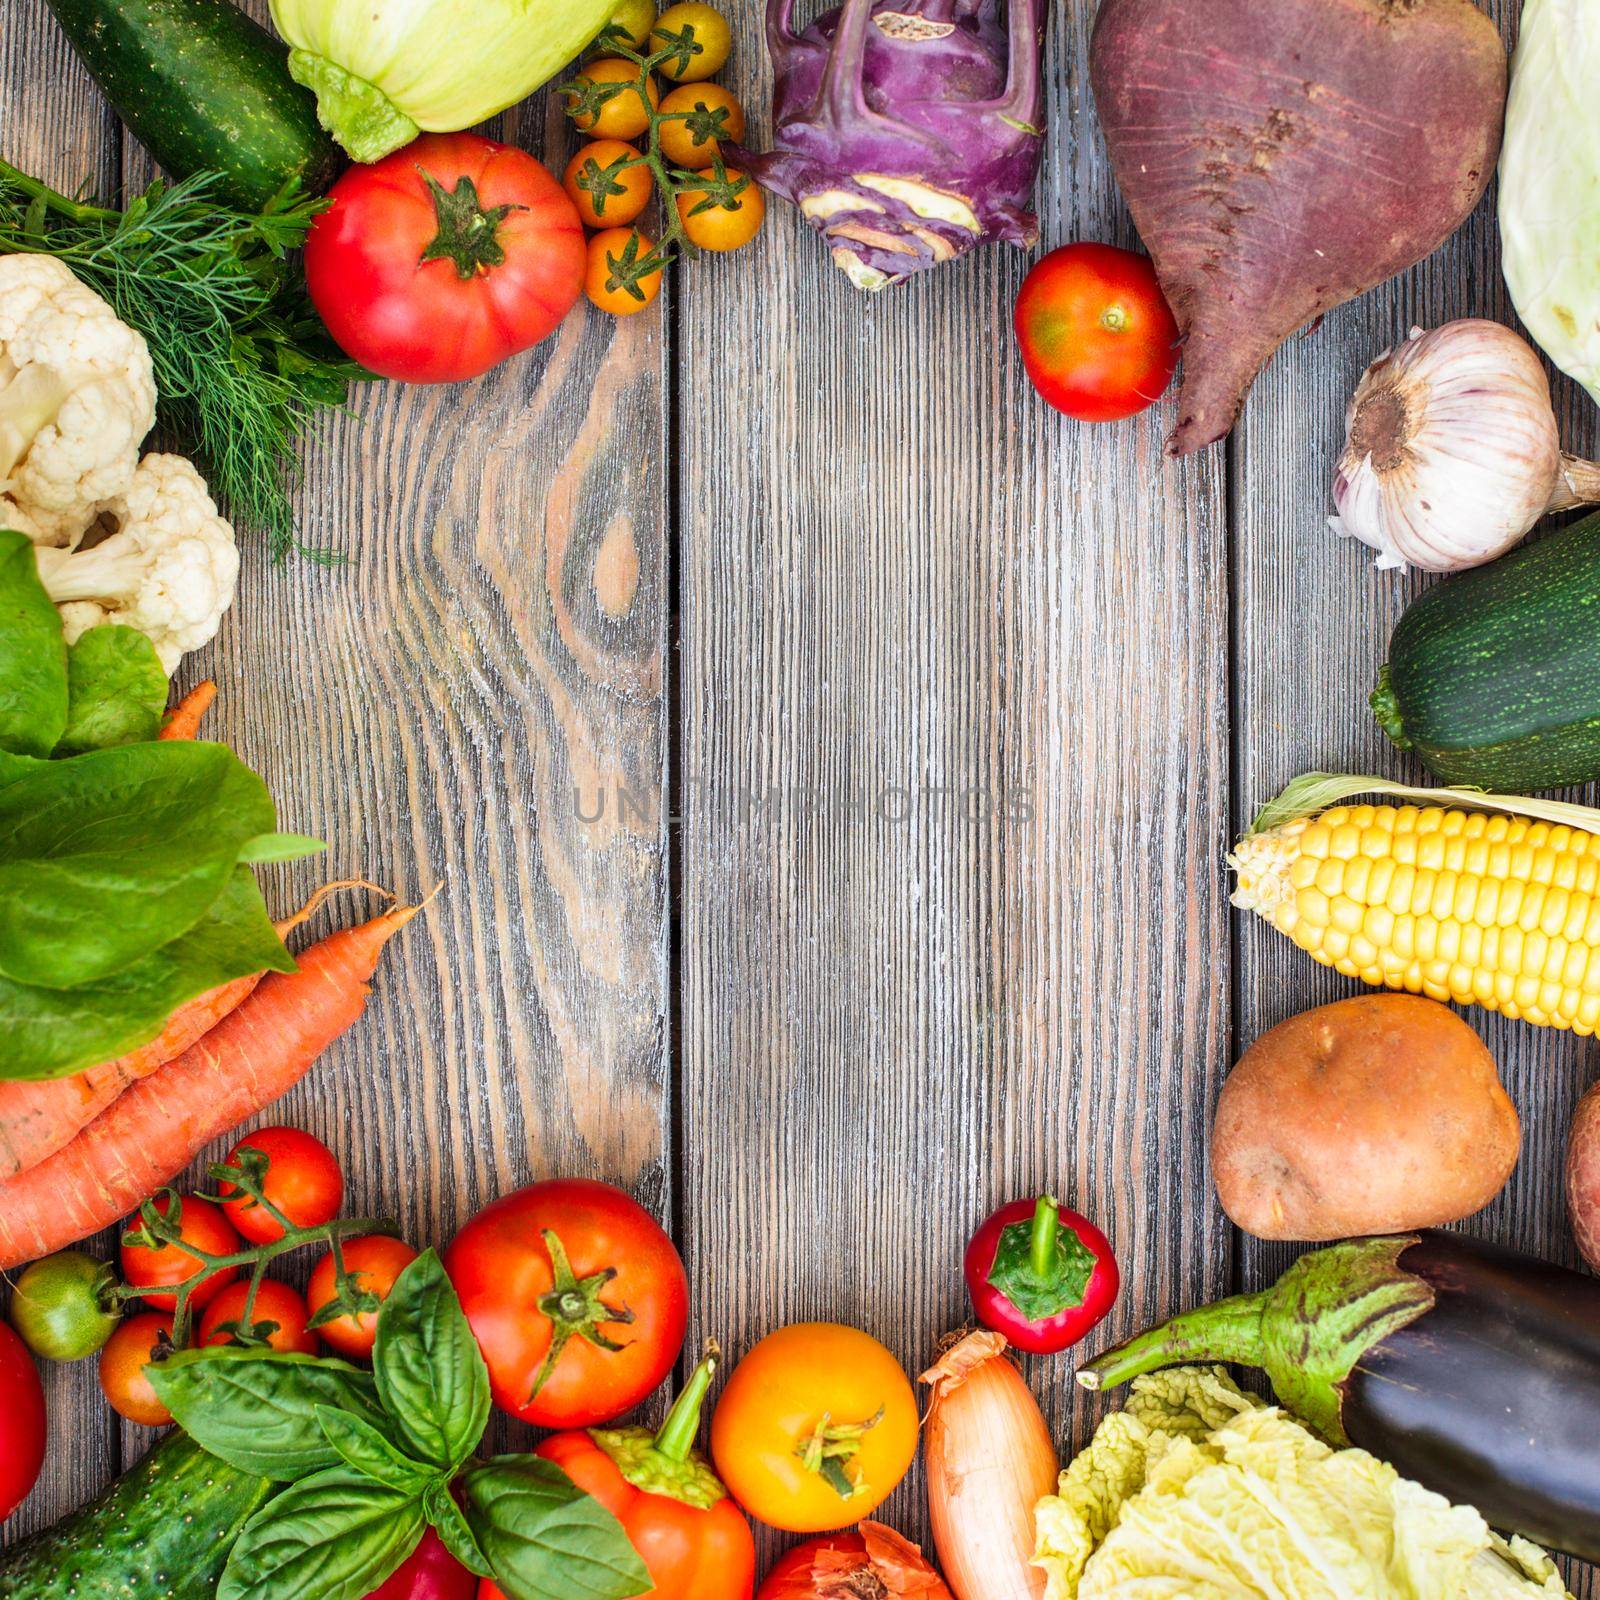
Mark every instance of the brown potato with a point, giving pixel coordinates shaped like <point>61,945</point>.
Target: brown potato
<point>1583,1176</point>
<point>1374,1115</point>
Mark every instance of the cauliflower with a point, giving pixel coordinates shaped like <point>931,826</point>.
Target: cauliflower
<point>168,567</point>
<point>77,397</point>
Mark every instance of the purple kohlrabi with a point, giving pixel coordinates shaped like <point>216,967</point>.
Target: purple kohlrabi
<point>907,131</point>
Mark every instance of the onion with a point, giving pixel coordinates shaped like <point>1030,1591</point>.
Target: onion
<point>1451,453</point>
<point>990,1461</point>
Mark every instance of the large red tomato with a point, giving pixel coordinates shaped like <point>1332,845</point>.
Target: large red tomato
<point>1097,336</point>
<point>578,1300</point>
<point>22,1425</point>
<point>441,260</point>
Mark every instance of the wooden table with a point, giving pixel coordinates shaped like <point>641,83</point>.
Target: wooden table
<point>829,755</point>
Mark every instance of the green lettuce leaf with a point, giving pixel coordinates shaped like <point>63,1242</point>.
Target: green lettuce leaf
<point>1198,1491</point>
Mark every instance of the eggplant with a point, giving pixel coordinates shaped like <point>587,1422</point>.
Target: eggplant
<point>1469,1367</point>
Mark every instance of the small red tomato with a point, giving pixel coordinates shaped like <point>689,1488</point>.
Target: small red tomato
<point>202,1225</point>
<point>430,1572</point>
<point>577,1298</point>
<point>122,1362</point>
<point>1097,336</point>
<point>302,1180</point>
<point>275,1303</point>
<point>22,1422</point>
<point>443,259</point>
<point>375,1262</point>
<point>1042,1276</point>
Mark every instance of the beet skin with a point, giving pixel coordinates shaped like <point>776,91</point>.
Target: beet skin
<point>1281,159</point>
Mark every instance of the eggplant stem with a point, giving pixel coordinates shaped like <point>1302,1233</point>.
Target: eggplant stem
<point>1230,1330</point>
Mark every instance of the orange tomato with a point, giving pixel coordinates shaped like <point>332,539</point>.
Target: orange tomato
<point>608,253</point>
<point>681,144</point>
<point>375,1261</point>
<point>725,225</point>
<point>122,1376</point>
<point>624,115</point>
<point>623,196</point>
<point>201,1224</point>
<point>706,38</point>
<point>275,1302</point>
<point>802,1388</point>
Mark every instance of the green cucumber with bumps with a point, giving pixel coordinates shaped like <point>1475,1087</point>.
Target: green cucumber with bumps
<point>162,1531</point>
<point>1493,677</point>
<point>205,89</point>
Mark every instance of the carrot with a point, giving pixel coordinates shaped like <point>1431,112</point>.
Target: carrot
<point>149,1135</point>
<point>37,1119</point>
<point>183,720</point>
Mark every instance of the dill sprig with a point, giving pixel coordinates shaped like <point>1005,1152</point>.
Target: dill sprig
<point>242,361</point>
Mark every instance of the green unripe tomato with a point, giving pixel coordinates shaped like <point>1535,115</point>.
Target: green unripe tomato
<point>638,17</point>
<point>60,1307</point>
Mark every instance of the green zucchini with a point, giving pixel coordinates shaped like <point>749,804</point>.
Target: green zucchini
<point>205,89</point>
<point>1494,675</point>
<point>162,1531</point>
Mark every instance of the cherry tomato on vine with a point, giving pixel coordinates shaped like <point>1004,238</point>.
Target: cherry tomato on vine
<point>622,115</point>
<point>62,1306</point>
<point>707,39</point>
<point>22,1422</point>
<point>727,223</point>
<point>200,1224</point>
<point>577,1298</point>
<point>612,255</point>
<point>375,1261</point>
<point>636,18</point>
<point>275,1303</point>
<point>688,141</point>
<point>1097,336</point>
<point>816,1428</point>
<point>604,198</point>
<point>1040,1275</point>
<point>872,1559</point>
<point>443,259</point>
<point>430,1572</point>
<point>302,1180</point>
<point>122,1376</point>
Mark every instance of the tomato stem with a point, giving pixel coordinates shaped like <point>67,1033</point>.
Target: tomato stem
<point>574,1307</point>
<point>677,1435</point>
<point>829,1451</point>
<point>469,232</point>
<point>1046,1233</point>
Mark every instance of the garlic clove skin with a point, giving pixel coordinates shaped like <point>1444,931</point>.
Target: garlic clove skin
<point>1451,452</point>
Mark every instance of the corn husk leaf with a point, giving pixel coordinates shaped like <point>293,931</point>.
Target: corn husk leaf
<point>1317,791</point>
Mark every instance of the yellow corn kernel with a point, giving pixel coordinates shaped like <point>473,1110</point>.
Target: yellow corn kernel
<point>1462,905</point>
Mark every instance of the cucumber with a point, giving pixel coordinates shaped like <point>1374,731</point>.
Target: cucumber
<point>205,89</point>
<point>162,1531</point>
<point>1494,675</point>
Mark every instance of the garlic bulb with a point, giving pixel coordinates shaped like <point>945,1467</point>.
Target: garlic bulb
<point>1451,453</point>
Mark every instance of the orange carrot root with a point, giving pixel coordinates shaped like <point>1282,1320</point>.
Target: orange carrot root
<point>148,1136</point>
<point>38,1119</point>
<point>183,721</point>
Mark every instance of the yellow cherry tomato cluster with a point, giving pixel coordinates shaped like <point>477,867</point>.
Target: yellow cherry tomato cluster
<point>642,140</point>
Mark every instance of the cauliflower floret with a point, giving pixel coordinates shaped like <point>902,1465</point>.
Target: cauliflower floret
<point>169,569</point>
<point>77,397</point>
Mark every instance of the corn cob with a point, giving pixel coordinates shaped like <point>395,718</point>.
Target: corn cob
<point>1460,905</point>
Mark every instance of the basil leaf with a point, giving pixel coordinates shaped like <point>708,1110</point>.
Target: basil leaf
<point>431,1374</point>
<point>116,691</point>
<point>454,1532</point>
<point>260,1410</point>
<point>46,1033</point>
<point>545,1538</point>
<point>109,856</point>
<point>336,1536</point>
<point>33,657</point>
<point>359,1444</point>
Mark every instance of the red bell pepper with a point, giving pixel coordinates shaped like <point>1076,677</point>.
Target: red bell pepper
<point>688,1531</point>
<point>1041,1276</point>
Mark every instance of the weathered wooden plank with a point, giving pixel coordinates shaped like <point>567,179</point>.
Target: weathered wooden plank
<point>991,956</point>
<point>462,703</point>
<point>53,123</point>
<point>1311,626</point>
